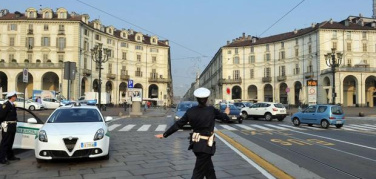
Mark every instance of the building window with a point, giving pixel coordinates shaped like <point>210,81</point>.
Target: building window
<point>124,56</point>
<point>109,41</point>
<point>236,74</point>
<point>45,58</point>
<point>252,73</point>
<point>364,47</point>
<point>296,52</point>
<point>61,58</point>
<point>228,51</point>
<point>296,41</point>
<point>309,39</point>
<point>138,72</point>
<point>334,34</point>
<point>283,55</point>
<point>348,35</point>
<point>252,49</point>
<point>85,63</point>
<point>267,57</point>
<point>12,27</point>
<point>309,48</point>
<point>236,50</point>
<point>30,57</point>
<point>154,74</point>
<point>45,41</point>
<point>297,69</point>
<point>11,41</point>
<point>349,46</point>
<point>138,47</point>
<point>364,35</point>
<point>334,45</point>
<point>310,67</point>
<point>267,72</point>
<point>86,45</point>
<point>30,43</point>
<point>110,68</point>
<point>154,50</point>
<point>154,59</point>
<point>46,15</point>
<point>61,43</point>
<point>267,47</point>
<point>45,27</point>
<point>123,44</point>
<point>236,60</point>
<point>97,37</point>
<point>282,70</point>
<point>139,58</point>
<point>252,59</point>
<point>61,28</point>
<point>86,32</point>
<point>11,57</point>
<point>282,44</point>
<point>138,38</point>
<point>349,62</point>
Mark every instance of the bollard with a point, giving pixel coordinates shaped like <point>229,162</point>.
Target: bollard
<point>361,114</point>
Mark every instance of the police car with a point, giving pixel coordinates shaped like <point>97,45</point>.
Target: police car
<point>72,131</point>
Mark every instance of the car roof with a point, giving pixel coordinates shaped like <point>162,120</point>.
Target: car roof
<point>188,102</point>
<point>71,106</point>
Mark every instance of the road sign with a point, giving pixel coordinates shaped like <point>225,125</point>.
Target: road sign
<point>130,84</point>
<point>287,90</point>
<point>25,75</point>
<point>228,91</point>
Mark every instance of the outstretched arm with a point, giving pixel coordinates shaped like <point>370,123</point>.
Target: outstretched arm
<point>222,116</point>
<point>177,125</point>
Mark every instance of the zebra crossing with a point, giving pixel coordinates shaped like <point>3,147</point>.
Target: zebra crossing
<point>241,127</point>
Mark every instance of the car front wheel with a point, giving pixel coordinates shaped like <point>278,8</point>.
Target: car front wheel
<point>339,125</point>
<point>324,124</point>
<point>32,108</point>
<point>296,121</point>
<point>244,115</point>
<point>268,117</point>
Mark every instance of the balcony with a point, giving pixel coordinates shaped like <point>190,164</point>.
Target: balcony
<point>229,81</point>
<point>309,75</point>
<point>124,77</point>
<point>267,79</point>
<point>350,69</point>
<point>61,32</point>
<point>281,78</point>
<point>111,76</point>
<point>86,72</point>
<point>32,65</point>
<point>159,80</point>
<point>138,73</point>
<point>30,31</point>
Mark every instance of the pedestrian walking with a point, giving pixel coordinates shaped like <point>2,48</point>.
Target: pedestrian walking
<point>8,117</point>
<point>202,119</point>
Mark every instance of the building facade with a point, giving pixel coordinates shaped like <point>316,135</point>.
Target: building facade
<point>43,40</point>
<point>277,68</point>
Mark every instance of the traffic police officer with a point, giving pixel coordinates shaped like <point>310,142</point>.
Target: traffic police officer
<point>202,119</point>
<point>8,116</point>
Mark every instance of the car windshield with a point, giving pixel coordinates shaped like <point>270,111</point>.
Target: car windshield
<point>223,107</point>
<point>186,106</point>
<point>248,104</point>
<point>75,115</point>
<point>279,105</point>
<point>337,110</point>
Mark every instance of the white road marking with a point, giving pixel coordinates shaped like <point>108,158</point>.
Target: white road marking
<point>357,128</point>
<point>113,126</point>
<point>245,127</point>
<point>314,128</point>
<point>229,128</point>
<point>161,127</point>
<point>261,127</point>
<point>127,127</point>
<point>215,129</point>
<point>263,171</point>
<point>277,127</point>
<point>169,116</point>
<point>347,129</point>
<point>372,127</point>
<point>293,127</point>
<point>337,140</point>
<point>144,127</point>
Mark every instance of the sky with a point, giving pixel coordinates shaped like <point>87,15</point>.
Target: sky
<point>198,28</point>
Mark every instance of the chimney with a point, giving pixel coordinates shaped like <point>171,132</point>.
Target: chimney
<point>18,14</point>
<point>233,40</point>
<point>347,23</point>
<point>313,25</point>
<point>228,42</point>
<point>249,37</point>
<point>360,15</point>
<point>254,40</point>
<point>331,21</point>
<point>374,9</point>
<point>243,35</point>
<point>130,31</point>
<point>295,31</point>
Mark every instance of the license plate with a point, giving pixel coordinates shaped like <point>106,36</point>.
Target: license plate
<point>234,117</point>
<point>338,122</point>
<point>88,144</point>
<point>282,111</point>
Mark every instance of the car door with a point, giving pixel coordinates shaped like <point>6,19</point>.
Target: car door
<point>309,115</point>
<point>262,109</point>
<point>46,103</point>
<point>252,110</point>
<point>26,133</point>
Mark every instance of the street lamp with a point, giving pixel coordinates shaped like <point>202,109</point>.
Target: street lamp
<point>333,62</point>
<point>100,55</point>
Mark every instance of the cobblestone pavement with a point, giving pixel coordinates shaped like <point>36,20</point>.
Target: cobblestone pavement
<point>135,154</point>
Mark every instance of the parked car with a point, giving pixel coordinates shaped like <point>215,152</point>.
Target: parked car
<point>324,115</point>
<point>28,104</point>
<point>266,110</point>
<point>182,108</point>
<point>51,103</point>
<point>234,113</point>
<point>241,105</point>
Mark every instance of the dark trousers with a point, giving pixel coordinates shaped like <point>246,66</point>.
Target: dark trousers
<point>204,166</point>
<point>7,143</point>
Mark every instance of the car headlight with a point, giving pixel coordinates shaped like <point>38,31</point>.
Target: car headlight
<point>177,117</point>
<point>43,136</point>
<point>99,135</point>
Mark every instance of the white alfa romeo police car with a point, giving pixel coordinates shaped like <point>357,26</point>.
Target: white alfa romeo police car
<point>69,132</point>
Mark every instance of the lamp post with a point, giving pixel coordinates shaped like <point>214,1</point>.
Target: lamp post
<point>100,55</point>
<point>333,62</point>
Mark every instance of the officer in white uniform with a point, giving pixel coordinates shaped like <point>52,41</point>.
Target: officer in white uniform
<point>202,119</point>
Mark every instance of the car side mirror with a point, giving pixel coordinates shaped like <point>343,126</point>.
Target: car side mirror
<point>32,121</point>
<point>108,118</point>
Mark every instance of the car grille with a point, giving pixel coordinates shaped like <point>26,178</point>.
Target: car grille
<point>58,154</point>
<point>70,143</point>
<point>82,153</point>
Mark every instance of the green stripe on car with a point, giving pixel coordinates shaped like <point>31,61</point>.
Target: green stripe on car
<point>27,130</point>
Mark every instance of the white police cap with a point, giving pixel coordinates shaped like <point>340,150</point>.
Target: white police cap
<point>10,94</point>
<point>201,93</point>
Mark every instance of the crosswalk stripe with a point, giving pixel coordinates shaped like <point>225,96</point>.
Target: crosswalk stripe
<point>161,127</point>
<point>261,127</point>
<point>277,127</point>
<point>113,126</point>
<point>144,127</point>
<point>215,129</point>
<point>127,127</point>
<point>370,126</point>
<point>293,127</point>
<point>347,129</point>
<point>313,128</point>
<point>357,128</point>
<point>228,128</point>
<point>245,127</point>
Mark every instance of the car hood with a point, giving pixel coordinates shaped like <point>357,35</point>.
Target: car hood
<point>180,113</point>
<point>79,128</point>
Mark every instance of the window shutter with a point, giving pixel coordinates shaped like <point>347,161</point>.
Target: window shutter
<point>27,42</point>
<point>57,42</point>
<point>8,27</point>
<point>65,42</point>
<point>42,42</point>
